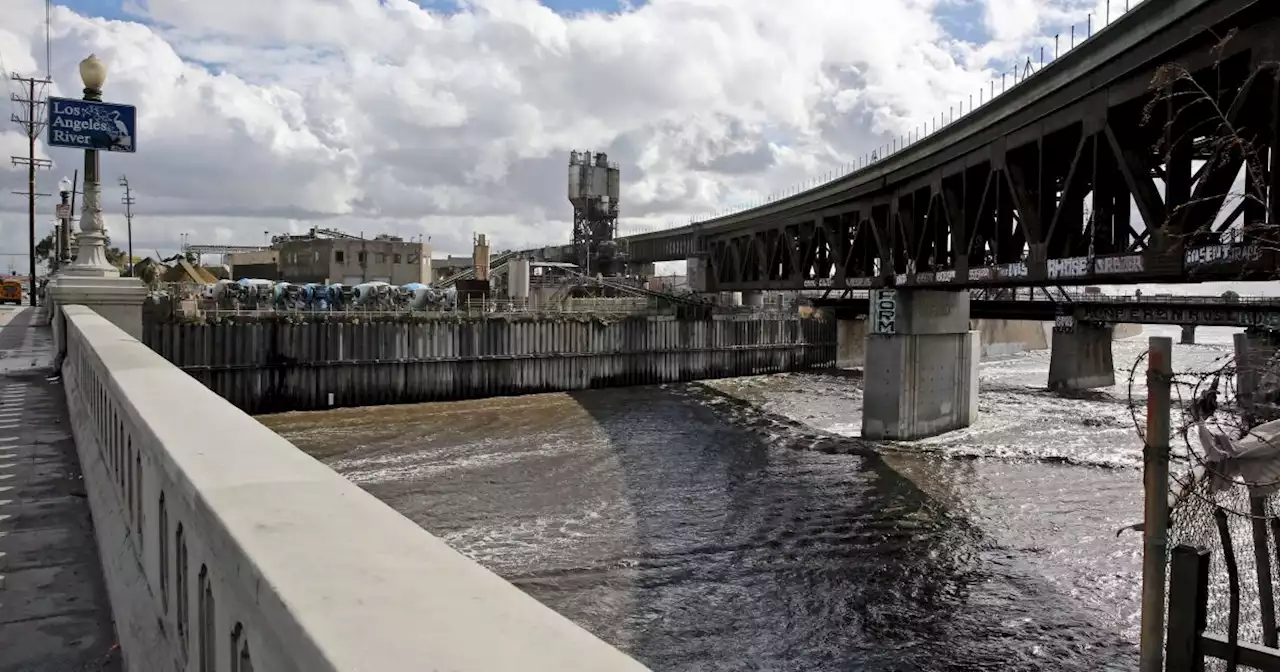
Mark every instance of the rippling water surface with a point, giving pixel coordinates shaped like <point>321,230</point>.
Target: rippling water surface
<point>742,525</point>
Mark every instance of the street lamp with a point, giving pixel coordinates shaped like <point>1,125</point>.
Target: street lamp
<point>62,229</point>
<point>91,254</point>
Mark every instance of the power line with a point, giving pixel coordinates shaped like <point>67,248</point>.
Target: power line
<point>30,115</point>
<point>128,200</point>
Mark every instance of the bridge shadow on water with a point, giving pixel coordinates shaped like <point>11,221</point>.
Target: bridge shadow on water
<point>757,546</point>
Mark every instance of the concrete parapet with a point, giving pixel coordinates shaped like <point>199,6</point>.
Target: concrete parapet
<point>117,299</point>
<point>921,373</point>
<point>220,539</point>
<point>1081,359</point>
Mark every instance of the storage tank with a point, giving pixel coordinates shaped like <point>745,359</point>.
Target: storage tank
<point>518,278</point>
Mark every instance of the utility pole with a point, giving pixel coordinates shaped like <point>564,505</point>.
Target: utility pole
<point>31,117</point>
<point>128,200</point>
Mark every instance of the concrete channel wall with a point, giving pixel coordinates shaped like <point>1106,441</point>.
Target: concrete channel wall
<point>221,541</point>
<point>996,338</point>
<point>272,364</point>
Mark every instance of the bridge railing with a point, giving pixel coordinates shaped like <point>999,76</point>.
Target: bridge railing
<point>226,547</point>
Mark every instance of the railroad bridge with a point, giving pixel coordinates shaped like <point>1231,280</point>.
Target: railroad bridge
<point>1080,174</point>
<point>1116,164</point>
<point>1082,322</point>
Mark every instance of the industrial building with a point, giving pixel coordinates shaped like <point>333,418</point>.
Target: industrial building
<point>263,264</point>
<point>449,266</point>
<point>354,260</point>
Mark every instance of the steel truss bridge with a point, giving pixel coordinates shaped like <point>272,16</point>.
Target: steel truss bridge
<point>1038,185</point>
<point>1066,308</point>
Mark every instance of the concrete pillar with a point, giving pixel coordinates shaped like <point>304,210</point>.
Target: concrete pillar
<point>1081,358</point>
<point>117,299</point>
<point>921,370</point>
<point>753,298</point>
<point>1257,375</point>
<point>1188,334</point>
<point>851,344</point>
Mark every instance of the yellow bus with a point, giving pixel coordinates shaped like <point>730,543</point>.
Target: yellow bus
<point>11,291</point>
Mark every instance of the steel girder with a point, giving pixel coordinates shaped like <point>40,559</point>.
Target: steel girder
<point>1050,196</point>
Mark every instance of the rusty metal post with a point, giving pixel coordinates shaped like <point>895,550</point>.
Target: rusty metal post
<point>1156,496</point>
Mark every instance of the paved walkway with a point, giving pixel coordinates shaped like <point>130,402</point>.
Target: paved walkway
<point>54,615</point>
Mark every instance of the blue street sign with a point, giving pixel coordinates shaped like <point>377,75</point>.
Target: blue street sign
<point>84,124</point>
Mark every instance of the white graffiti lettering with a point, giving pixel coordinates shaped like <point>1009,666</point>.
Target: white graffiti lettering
<point>884,311</point>
<point>1222,254</point>
<point>1074,267</point>
<point>945,276</point>
<point>1130,264</point>
<point>1015,270</point>
<point>980,273</point>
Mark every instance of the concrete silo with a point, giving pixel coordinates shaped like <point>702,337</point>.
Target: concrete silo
<point>594,185</point>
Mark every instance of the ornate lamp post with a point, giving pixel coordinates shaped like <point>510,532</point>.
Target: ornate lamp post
<point>91,255</point>
<point>63,232</point>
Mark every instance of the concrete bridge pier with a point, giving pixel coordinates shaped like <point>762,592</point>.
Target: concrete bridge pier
<point>921,372</point>
<point>753,298</point>
<point>1258,374</point>
<point>1081,358</point>
<point>1188,334</point>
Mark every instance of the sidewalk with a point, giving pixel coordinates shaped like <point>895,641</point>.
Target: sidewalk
<point>54,615</point>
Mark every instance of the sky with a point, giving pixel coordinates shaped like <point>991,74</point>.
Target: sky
<point>444,118</point>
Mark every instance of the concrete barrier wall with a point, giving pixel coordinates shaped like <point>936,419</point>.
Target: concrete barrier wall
<point>1007,337</point>
<point>220,541</point>
<point>276,365</point>
<point>996,338</point>
<point>1126,331</point>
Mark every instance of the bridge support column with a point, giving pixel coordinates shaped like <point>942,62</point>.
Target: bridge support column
<point>1188,334</point>
<point>851,344</point>
<point>1258,375</point>
<point>753,298</point>
<point>1081,359</point>
<point>921,371</point>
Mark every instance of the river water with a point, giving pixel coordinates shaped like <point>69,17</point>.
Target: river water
<point>742,525</point>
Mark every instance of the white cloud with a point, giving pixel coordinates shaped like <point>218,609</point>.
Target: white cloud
<point>382,116</point>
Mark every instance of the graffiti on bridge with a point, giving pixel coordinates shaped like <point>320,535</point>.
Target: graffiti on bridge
<point>1207,316</point>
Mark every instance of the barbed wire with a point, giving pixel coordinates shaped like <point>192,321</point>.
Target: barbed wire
<point>1206,395</point>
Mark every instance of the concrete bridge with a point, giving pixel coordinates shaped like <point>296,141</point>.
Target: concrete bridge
<point>219,545</point>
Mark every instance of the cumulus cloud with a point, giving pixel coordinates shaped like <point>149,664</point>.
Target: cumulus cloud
<point>380,115</point>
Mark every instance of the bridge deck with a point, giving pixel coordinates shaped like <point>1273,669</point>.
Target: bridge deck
<point>54,614</point>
